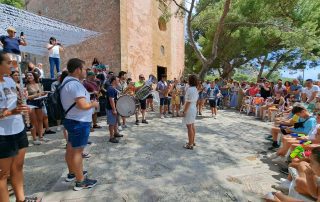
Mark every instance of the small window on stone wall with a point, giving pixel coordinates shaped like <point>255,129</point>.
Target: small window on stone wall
<point>162,50</point>
<point>162,24</point>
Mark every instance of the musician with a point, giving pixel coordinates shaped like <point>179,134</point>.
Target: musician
<point>11,45</point>
<point>143,103</point>
<point>112,95</point>
<point>162,88</point>
<point>122,87</point>
<point>93,87</point>
<point>13,137</point>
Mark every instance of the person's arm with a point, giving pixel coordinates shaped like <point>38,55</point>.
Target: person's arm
<point>50,46</point>
<point>311,182</point>
<point>18,110</point>
<point>113,105</point>
<point>81,103</point>
<point>186,107</point>
<point>23,41</point>
<point>313,96</point>
<point>284,198</point>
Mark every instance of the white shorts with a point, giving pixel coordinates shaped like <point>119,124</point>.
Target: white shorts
<point>15,57</point>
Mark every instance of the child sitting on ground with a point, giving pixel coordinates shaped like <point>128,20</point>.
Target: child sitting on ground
<point>257,102</point>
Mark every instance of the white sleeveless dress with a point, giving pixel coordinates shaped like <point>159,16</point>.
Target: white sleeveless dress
<point>192,97</point>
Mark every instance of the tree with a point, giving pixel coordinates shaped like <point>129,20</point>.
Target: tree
<point>15,3</point>
<point>206,62</point>
<point>254,30</point>
<point>319,76</point>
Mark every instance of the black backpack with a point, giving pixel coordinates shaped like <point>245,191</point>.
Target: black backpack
<point>54,105</point>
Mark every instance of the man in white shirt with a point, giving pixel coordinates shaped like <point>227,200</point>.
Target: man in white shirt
<point>76,102</point>
<point>310,92</point>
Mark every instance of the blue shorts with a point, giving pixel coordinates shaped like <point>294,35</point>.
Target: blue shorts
<point>78,132</point>
<point>111,118</point>
<point>164,101</point>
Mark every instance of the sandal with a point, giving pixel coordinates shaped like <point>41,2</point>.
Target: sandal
<point>97,126</point>
<point>187,146</point>
<point>31,199</point>
<point>194,144</point>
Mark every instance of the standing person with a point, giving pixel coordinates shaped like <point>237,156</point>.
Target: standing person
<point>265,89</point>
<point>13,137</point>
<point>280,88</point>
<point>295,90</point>
<point>35,90</point>
<point>201,97</point>
<point>54,49</point>
<point>93,87</point>
<point>175,98</point>
<point>235,91</point>
<point>212,94</point>
<point>190,110</point>
<point>112,96</point>
<point>241,94</point>
<point>143,103</point>
<point>122,87</point>
<point>162,88</point>
<point>11,45</point>
<point>182,87</point>
<point>75,100</point>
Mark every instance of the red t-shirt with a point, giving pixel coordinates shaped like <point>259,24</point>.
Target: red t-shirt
<point>253,91</point>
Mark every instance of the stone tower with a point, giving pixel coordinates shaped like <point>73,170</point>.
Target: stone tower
<point>135,37</point>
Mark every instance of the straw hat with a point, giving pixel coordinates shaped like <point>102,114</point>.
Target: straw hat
<point>11,29</point>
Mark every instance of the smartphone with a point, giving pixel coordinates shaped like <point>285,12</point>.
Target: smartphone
<point>21,34</point>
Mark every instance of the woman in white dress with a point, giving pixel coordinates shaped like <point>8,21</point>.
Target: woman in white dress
<point>190,110</point>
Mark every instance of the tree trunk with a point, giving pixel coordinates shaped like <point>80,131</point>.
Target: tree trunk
<point>227,70</point>
<point>260,71</point>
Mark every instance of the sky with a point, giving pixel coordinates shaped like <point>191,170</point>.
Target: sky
<point>308,73</point>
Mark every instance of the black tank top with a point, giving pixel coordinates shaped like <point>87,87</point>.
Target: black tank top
<point>276,101</point>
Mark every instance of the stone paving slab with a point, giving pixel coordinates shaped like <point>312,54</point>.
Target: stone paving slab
<point>149,164</point>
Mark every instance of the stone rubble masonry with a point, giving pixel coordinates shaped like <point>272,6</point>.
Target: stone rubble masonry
<point>130,39</point>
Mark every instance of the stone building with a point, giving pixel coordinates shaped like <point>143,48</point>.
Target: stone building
<point>135,34</point>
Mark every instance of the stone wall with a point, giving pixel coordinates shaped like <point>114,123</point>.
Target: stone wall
<point>131,39</point>
<point>98,15</point>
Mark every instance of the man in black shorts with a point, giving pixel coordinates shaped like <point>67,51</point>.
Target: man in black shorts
<point>143,103</point>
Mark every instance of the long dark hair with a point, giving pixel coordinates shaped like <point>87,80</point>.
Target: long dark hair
<point>63,76</point>
<point>52,39</point>
<point>35,76</point>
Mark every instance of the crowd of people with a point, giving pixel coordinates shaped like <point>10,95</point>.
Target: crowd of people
<point>87,92</point>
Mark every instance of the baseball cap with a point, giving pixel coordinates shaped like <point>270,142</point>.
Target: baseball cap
<point>90,74</point>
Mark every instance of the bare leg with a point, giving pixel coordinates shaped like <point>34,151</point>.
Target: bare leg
<point>143,112</point>
<point>39,115</point>
<point>33,119</point>
<point>190,134</point>
<point>46,122</point>
<point>5,166</point>
<point>17,175</point>
<point>77,163</point>
<point>193,133</point>
<point>95,119</point>
<point>112,131</point>
<point>68,158</point>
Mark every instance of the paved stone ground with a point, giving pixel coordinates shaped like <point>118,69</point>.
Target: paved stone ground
<point>228,163</point>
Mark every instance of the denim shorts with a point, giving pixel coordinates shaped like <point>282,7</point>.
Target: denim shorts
<point>78,132</point>
<point>111,118</point>
<point>164,101</point>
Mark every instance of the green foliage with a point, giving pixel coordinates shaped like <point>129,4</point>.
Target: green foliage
<point>255,28</point>
<point>15,3</point>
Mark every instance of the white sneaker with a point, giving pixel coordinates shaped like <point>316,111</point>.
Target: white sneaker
<point>120,128</point>
<point>36,142</point>
<point>124,126</point>
<point>279,159</point>
<point>273,155</point>
<point>215,116</point>
<point>161,117</point>
<point>45,139</point>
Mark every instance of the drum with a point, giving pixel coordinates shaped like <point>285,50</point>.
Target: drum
<point>126,105</point>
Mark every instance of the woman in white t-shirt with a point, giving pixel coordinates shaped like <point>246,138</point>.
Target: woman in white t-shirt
<point>54,49</point>
<point>13,137</point>
<point>190,110</point>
